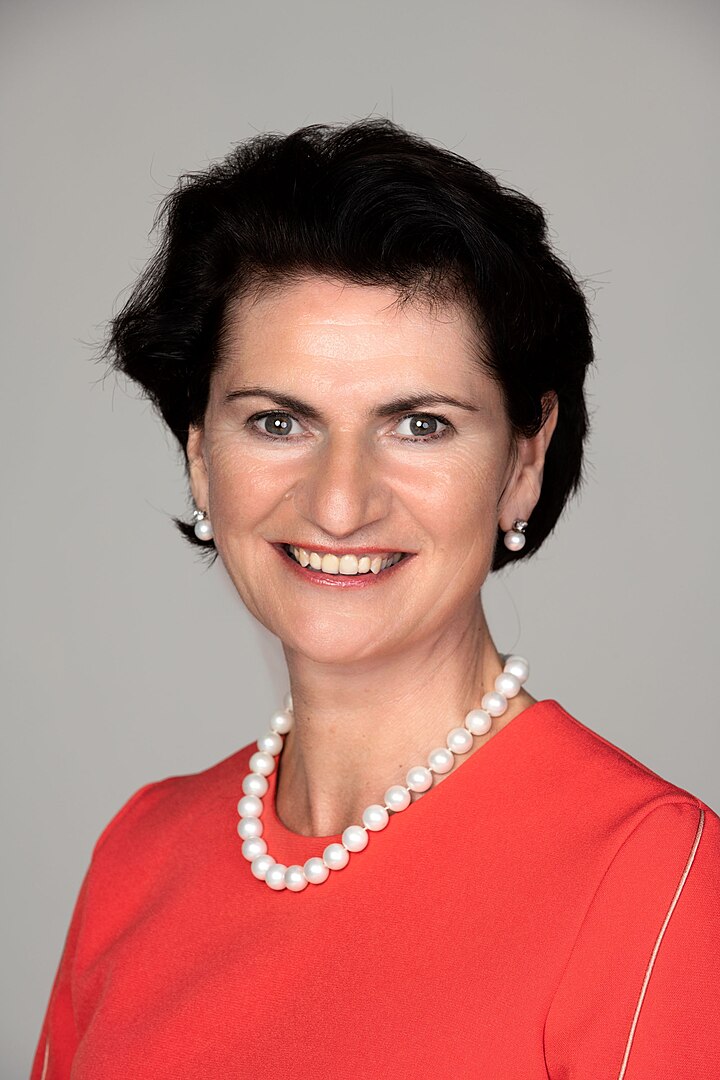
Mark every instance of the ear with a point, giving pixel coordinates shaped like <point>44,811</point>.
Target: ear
<point>197,467</point>
<point>522,493</point>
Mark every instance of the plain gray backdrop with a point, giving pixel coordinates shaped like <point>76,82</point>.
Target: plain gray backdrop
<point>124,659</point>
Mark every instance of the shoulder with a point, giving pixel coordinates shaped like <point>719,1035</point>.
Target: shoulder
<point>174,805</point>
<point>599,771</point>
<point>645,951</point>
<point>602,807</point>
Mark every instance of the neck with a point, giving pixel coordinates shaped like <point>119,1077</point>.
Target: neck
<point>359,729</point>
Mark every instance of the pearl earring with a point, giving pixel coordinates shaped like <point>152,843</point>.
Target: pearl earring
<point>203,528</point>
<point>514,539</point>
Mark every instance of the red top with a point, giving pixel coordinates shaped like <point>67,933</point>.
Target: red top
<point>550,909</point>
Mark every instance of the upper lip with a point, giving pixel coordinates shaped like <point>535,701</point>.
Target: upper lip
<point>321,550</point>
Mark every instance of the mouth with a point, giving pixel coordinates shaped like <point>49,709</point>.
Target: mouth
<point>343,570</point>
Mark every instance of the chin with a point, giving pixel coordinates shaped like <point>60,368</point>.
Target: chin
<point>328,647</point>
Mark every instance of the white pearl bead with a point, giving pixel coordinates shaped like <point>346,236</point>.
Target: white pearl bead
<point>295,879</point>
<point>478,721</point>
<point>275,877</point>
<point>270,743</point>
<point>260,866</point>
<point>440,760</point>
<point>281,721</point>
<point>397,798</point>
<point>287,702</point>
<point>354,838</point>
<point>515,541</point>
<point>249,826</point>
<point>494,703</point>
<point>459,740</point>
<point>507,684</point>
<point>250,806</point>
<point>255,784</point>
<point>254,846</point>
<point>375,817</point>
<point>203,529</point>
<point>518,666</point>
<point>315,870</point>
<point>262,762</point>
<point>335,856</point>
<point>419,778</point>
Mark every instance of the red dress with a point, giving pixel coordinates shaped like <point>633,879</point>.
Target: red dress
<point>550,909</point>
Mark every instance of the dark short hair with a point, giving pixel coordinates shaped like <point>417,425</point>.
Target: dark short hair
<point>370,203</point>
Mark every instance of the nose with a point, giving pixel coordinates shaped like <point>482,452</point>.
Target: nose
<point>341,491</point>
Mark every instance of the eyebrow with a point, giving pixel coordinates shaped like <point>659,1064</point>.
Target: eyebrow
<point>390,408</point>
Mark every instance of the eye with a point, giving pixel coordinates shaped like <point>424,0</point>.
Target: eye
<point>423,427</point>
<point>275,425</point>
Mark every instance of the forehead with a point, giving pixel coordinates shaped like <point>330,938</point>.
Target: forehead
<point>329,342</point>
<point>335,321</point>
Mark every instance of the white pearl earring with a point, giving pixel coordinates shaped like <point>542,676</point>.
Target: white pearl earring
<point>514,539</point>
<point>203,528</point>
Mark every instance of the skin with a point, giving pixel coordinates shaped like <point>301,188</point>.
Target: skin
<point>378,675</point>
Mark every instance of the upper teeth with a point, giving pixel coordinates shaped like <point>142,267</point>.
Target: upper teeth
<point>344,564</point>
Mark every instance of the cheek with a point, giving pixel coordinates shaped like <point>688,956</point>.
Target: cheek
<point>460,500</point>
<point>241,488</point>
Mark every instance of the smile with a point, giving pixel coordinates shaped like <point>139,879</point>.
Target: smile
<point>345,565</point>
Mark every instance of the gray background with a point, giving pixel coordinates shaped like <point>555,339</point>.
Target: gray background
<point>124,659</point>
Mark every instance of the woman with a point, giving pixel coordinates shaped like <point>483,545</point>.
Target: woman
<point>374,364</point>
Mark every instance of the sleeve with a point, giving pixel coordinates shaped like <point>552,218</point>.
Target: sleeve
<point>639,998</point>
<point>58,1036</point>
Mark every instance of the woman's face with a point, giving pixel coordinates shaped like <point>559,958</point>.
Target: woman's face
<point>352,468</point>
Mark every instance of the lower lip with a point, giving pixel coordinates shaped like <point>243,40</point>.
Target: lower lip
<point>339,581</point>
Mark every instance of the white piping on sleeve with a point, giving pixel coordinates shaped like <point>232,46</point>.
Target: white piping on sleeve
<point>46,1060</point>
<point>660,936</point>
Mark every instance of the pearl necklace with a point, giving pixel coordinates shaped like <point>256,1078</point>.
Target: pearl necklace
<point>375,817</point>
